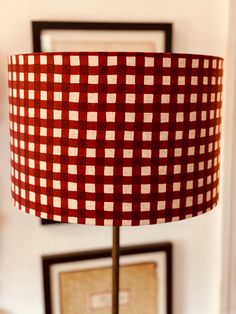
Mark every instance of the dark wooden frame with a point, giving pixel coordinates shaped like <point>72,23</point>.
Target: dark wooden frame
<point>48,261</point>
<point>39,26</point>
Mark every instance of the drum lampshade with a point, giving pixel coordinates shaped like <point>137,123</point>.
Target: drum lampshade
<point>116,139</point>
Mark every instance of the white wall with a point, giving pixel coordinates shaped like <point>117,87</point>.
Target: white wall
<point>199,26</point>
<point>228,305</point>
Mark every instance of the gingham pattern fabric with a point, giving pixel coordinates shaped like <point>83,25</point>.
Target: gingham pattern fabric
<point>115,138</point>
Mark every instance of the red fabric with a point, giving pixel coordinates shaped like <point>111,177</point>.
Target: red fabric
<point>115,138</point>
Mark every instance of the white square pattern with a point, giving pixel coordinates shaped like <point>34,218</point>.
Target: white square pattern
<point>137,130</point>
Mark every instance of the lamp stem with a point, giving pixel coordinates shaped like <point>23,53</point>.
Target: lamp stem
<point>115,270</point>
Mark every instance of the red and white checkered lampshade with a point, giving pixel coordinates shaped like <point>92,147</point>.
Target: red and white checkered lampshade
<point>115,138</point>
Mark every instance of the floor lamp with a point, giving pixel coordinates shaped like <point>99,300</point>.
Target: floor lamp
<point>115,139</point>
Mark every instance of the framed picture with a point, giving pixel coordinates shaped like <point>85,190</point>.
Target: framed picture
<point>81,282</point>
<point>89,36</point>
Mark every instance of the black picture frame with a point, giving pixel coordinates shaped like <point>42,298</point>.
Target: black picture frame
<point>49,261</point>
<point>39,26</point>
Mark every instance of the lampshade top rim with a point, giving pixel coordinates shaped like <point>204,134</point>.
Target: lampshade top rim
<point>110,53</point>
